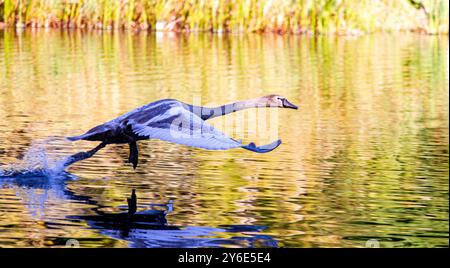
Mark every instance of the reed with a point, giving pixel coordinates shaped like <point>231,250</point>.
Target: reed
<point>280,16</point>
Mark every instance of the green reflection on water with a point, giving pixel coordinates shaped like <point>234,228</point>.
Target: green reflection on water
<point>366,156</point>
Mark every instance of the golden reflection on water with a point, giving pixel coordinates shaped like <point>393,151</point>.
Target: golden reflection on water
<point>365,156</point>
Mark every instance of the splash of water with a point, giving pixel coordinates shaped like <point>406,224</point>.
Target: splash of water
<point>40,159</point>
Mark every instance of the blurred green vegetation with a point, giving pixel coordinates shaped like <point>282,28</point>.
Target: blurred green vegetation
<point>301,16</point>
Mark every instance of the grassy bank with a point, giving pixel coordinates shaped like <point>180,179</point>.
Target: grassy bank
<point>301,16</point>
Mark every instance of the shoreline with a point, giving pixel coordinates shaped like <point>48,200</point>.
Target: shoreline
<point>138,30</point>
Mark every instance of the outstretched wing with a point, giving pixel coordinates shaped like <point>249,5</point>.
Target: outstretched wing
<point>139,114</point>
<point>180,126</point>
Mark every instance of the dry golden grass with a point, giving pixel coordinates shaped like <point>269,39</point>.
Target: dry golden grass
<point>280,16</point>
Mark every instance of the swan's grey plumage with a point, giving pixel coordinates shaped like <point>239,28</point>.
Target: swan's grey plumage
<point>174,121</point>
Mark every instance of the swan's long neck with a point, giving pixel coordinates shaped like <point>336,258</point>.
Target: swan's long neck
<point>208,113</point>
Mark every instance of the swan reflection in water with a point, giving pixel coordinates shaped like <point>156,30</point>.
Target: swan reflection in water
<point>149,228</point>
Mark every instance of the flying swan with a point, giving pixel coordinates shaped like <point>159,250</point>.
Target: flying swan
<point>174,121</point>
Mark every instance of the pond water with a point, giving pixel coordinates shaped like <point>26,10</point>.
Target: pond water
<point>365,156</point>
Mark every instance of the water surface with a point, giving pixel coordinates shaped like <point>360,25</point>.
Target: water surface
<point>365,156</point>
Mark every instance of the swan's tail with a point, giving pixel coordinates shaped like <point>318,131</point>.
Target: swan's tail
<point>76,138</point>
<point>262,149</point>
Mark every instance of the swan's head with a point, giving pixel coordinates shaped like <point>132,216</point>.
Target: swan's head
<point>277,101</point>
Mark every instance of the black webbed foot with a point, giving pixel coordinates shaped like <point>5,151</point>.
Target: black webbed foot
<point>133,159</point>
<point>83,155</point>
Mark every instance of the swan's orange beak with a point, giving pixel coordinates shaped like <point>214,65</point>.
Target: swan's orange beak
<point>287,104</point>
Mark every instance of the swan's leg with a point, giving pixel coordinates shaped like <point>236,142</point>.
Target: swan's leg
<point>133,154</point>
<point>83,155</point>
